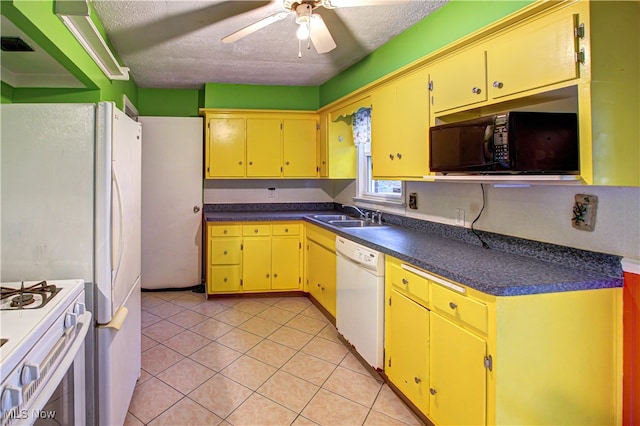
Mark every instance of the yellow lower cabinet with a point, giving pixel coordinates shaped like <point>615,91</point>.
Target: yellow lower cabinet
<point>321,267</point>
<point>457,391</point>
<point>224,278</point>
<point>285,265</point>
<point>224,255</point>
<point>256,259</point>
<point>407,348</point>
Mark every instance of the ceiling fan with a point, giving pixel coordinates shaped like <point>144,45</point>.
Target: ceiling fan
<point>311,25</point>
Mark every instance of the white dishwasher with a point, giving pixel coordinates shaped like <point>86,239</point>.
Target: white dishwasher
<point>360,299</point>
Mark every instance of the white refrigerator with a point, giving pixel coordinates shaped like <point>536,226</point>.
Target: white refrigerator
<point>70,203</point>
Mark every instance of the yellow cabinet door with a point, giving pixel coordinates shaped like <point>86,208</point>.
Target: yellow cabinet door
<point>323,141</point>
<point>321,275</point>
<point>328,279</point>
<point>263,147</point>
<point>224,278</point>
<point>225,148</point>
<point>460,80</point>
<point>412,124</point>
<point>540,54</point>
<point>457,391</point>
<point>407,349</point>
<point>225,251</point>
<point>384,141</point>
<point>285,263</point>
<point>300,142</point>
<point>314,270</point>
<point>256,261</point>
<point>341,150</point>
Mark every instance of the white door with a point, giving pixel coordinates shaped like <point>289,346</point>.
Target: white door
<point>171,202</point>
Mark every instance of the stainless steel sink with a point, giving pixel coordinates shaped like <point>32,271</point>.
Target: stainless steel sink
<point>352,223</point>
<point>331,217</point>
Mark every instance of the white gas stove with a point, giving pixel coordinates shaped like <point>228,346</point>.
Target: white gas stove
<point>42,326</point>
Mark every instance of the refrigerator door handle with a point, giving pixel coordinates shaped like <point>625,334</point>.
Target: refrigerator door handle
<point>117,320</point>
<point>114,272</point>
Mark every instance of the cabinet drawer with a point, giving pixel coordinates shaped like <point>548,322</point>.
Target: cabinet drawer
<point>460,307</point>
<point>224,278</point>
<point>256,230</point>
<point>225,251</point>
<point>408,283</point>
<point>286,229</point>
<point>225,230</point>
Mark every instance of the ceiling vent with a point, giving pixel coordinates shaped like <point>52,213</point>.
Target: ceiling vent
<point>15,44</point>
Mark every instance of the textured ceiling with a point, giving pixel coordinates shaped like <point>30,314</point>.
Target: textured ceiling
<point>177,43</point>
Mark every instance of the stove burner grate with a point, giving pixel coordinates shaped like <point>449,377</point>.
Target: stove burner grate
<point>25,297</point>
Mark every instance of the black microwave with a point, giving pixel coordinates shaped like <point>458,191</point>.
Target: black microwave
<point>512,142</point>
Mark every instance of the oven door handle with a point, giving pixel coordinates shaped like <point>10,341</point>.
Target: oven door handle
<point>60,370</point>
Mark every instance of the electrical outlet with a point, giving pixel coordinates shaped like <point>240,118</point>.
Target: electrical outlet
<point>459,217</point>
<point>413,201</point>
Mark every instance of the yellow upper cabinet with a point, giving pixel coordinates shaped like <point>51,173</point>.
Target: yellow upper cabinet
<point>337,151</point>
<point>536,55</point>
<point>400,127</point>
<point>225,147</point>
<point>531,56</point>
<point>264,155</point>
<point>459,80</point>
<point>300,142</point>
<point>261,144</point>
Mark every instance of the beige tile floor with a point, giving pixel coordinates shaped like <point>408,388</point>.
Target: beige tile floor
<point>252,361</point>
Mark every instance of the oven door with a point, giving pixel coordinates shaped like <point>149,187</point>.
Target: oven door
<point>67,404</point>
<point>56,394</point>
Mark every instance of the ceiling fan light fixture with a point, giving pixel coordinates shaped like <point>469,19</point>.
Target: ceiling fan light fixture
<point>303,31</point>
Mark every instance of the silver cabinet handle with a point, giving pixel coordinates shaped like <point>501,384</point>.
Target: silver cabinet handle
<point>224,252</point>
<point>240,163</point>
<point>399,155</point>
<point>498,84</point>
<point>405,281</point>
<point>255,231</point>
<point>417,379</point>
<point>225,231</point>
<point>476,90</point>
<point>452,305</point>
<point>275,275</point>
<point>196,209</point>
<point>432,391</point>
<point>391,156</point>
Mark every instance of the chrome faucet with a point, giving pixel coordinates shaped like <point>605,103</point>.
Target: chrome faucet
<point>363,215</point>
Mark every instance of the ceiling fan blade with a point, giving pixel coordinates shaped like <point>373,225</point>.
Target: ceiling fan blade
<point>332,4</point>
<point>254,27</point>
<point>320,35</point>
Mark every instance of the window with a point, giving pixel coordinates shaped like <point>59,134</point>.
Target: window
<point>368,188</point>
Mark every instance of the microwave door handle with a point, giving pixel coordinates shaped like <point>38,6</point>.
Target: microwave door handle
<point>488,143</point>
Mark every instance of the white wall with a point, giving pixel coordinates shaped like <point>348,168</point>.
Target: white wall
<point>256,191</point>
<point>541,213</point>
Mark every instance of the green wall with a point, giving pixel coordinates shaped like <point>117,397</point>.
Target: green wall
<point>6,93</point>
<point>218,95</point>
<point>37,18</point>
<point>451,22</point>
<point>170,102</point>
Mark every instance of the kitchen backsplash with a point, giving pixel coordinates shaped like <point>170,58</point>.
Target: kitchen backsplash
<point>561,255</point>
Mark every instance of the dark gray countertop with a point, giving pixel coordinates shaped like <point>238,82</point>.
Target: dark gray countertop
<point>490,271</point>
